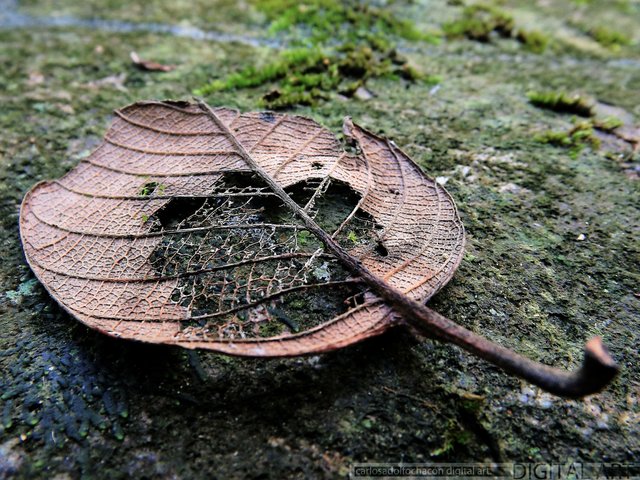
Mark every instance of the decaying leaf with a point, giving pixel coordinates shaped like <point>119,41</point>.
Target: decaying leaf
<point>254,234</point>
<point>164,234</point>
<point>149,65</point>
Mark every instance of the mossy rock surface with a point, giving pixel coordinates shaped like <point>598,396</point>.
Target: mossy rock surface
<point>551,260</point>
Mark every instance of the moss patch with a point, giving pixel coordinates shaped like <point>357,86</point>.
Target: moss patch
<point>561,102</point>
<point>482,22</point>
<point>533,40</point>
<point>479,22</point>
<point>580,136</point>
<point>343,44</point>
<point>609,38</point>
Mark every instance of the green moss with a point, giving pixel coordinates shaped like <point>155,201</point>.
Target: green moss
<point>561,102</point>
<point>479,22</point>
<point>609,38</point>
<point>608,124</point>
<point>454,436</point>
<point>287,97</point>
<point>533,40</point>
<point>293,60</point>
<point>324,19</point>
<point>580,136</point>
<point>583,133</point>
<point>561,139</point>
<point>303,237</point>
<point>25,289</point>
<point>305,76</point>
<point>150,188</point>
<point>342,45</point>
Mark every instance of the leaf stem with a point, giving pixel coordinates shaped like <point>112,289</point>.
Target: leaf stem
<point>597,370</point>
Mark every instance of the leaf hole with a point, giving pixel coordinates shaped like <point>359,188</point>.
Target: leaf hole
<point>381,249</point>
<point>242,180</point>
<point>148,188</point>
<point>177,210</point>
<point>178,103</point>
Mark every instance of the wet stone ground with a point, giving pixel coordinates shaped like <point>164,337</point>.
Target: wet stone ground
<point>552,254</point>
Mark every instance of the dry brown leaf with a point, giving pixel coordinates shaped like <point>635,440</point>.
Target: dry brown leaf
<point>254,234</point>
<point>102,241</point>
<point>148,65</point>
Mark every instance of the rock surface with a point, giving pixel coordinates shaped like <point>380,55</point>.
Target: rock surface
<point>551,254</point>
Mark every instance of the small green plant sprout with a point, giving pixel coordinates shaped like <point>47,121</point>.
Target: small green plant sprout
<point>303,237</point>
<point>353,237</point>
<point>561,102</point>
<point>151,187</point>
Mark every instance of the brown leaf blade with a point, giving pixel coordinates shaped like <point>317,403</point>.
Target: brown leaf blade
<point>113,245</point>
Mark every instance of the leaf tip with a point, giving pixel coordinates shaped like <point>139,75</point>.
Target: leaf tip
<point>599,352</point>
